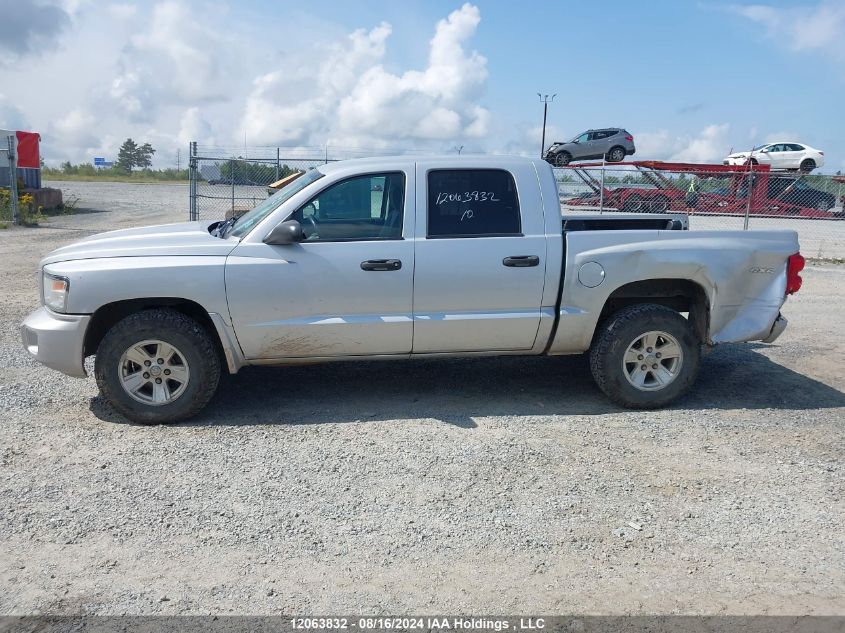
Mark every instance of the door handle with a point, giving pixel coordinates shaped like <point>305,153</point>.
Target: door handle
<point>381,264</point>
<point>521,261</point>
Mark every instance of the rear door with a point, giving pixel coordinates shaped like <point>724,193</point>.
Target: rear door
<point>792,154</point>
<point>601,142</point>
<point>480,260</point>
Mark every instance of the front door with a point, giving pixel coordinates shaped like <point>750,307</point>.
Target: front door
<point>583,147</point>
<point>777,156</point>
<point>480,262</point>
<point>345,290</point>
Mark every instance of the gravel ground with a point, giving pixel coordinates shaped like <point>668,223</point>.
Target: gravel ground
<point>490,485</point>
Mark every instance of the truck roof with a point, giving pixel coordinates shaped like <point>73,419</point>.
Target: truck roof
<point>458,160</point>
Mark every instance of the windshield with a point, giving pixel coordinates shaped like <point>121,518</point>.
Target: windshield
<point>759,147</point>
<point>248,221</point>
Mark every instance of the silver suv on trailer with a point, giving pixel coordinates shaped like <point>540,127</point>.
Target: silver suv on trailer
<point>614,144</point>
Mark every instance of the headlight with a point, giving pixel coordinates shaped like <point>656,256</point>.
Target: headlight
<point>55,291</point>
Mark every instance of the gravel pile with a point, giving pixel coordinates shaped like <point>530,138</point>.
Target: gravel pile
<point>484,485</point>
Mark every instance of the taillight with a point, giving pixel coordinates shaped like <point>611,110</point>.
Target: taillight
<point>629,138</point>
<point>794,265</point>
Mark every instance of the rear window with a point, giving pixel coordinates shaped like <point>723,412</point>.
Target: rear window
<point>472,203</point>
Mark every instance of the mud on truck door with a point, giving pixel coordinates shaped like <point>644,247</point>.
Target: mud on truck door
<point>345,289</point>
<point>480,260</point>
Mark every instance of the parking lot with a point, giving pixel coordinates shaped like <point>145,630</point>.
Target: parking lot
<point>486,485</point>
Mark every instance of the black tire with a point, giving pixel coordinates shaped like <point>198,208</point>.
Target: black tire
<point>751,161</point>
<point>616,154</point>
<point>563,159</point>
<point>633,203</point>
<point>190,338</point>
<point>620,331</point>
<point>660,204</point>
<point>823,205</point>
<point>807,165</point>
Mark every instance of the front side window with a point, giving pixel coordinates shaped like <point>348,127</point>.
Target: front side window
<point>472,203</point>
<point>581,139</point>
<point>251,219</point>
<point>367,207</point>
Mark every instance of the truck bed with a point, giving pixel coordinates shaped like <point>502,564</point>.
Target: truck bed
<point>625,222</point>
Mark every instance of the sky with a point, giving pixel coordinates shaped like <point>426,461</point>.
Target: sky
<point>691,80</point>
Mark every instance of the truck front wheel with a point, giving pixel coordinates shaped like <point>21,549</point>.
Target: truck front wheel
<point>645,356</point>
<point>157,366</point>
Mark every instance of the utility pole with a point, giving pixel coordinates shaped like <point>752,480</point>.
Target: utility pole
<point>545,100</point>
<point>178,159</point>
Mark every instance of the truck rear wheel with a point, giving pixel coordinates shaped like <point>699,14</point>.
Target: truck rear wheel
<point>645,356</point>
<point>157,366</point>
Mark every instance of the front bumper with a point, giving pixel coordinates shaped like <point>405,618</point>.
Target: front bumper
<point>56,340</point>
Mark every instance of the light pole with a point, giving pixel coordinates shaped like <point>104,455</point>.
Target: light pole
<point>545,100</point>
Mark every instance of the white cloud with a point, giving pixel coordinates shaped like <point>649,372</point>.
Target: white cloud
<point>11,116</point>
<point>816,28</point>
<point>781,136</point>
<point>76,129</point>
<point>122,11</point>
<point>133,93</point>
<point>659,145</point>
<point>525,139</point>
<point>193,127</point>
<point>176,59</point>
<point>709,145</point>
<point>348,97</point>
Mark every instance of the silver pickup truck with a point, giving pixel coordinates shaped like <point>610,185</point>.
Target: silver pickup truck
<point>400,257</point>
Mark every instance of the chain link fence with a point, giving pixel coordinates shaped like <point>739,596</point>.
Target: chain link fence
<point>229,181</point>
<point>8,181</point>
<point>715,197</point>
<point>224,181</point>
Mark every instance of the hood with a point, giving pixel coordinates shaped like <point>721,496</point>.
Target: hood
<point>739,155</point>
<point>186,238</point>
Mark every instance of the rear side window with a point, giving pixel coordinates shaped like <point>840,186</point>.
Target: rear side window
<point>472,203</point>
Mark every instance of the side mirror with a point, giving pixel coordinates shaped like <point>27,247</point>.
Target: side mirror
<point>288,232</point>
